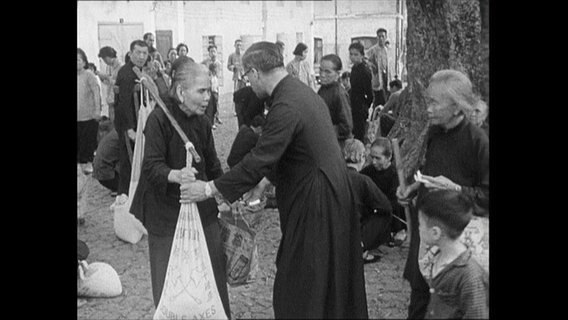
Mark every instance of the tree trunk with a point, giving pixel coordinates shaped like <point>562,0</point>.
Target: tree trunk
<point>441,34</point>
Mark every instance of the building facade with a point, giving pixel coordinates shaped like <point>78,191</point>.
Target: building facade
<point>195,23</point>
<point>338,23</point>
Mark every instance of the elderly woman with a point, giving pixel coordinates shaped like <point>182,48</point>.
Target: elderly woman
<point>373,207</point>
<point>300,68</point>
<point>457,158</point>
<point>156,201</point>
<point>182,50</point>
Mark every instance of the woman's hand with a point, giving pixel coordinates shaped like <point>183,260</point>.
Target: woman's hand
<point>440,183</point>
<point>404,196</point>
<point>192,191</point>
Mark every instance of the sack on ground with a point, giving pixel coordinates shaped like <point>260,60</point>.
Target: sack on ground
<point>126,226</point>
<point>240,248</point>
<point>190,291</point>
<point>98,280</point>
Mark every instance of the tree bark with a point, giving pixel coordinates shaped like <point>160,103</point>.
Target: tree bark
<point>441,34</point>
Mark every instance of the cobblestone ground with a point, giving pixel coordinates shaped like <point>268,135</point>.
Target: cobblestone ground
<point>387,292</point>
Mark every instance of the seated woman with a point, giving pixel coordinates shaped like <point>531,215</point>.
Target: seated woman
<point>383,173</point>
<point>372,205</point>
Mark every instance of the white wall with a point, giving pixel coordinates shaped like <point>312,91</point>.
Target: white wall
<point>191,20</point>
<point>91,13</point>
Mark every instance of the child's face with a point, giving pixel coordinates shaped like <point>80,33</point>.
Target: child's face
<point>355,56</point>
<point>424,231</point>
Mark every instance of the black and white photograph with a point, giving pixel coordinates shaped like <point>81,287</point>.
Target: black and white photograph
<point>283,159</point>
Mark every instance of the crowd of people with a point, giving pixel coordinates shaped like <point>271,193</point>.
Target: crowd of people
<point>338,198</point>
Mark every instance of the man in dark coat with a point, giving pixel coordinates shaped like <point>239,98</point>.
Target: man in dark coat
<point>156,201</point>
<point>125,113</point>
<point>319,266</point>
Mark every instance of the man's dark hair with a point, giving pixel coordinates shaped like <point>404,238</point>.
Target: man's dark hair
<point>238,40</point>
<point>333,58</point>
<point>346,75</point>
<point>396,83</point>
<point>358,46</point>
<point>381,30</point>
<point>84,57</point>
<point>107,52</point>
<point>258,121</point>
<point>300,48</point>
<point>450,210</point>
<point>211,47</point>
<point>146,35</point>
<point>263,56</point>
<point>140,43</point>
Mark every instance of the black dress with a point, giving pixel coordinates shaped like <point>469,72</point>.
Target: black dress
<point>373,208</point>
<point>336,99</point>
<point>361,98</point>
<point>156,201</point>
<point>319,266</point>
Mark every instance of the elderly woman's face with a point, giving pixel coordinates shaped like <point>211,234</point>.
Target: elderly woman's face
<point>441,109</point>
<point>172,55</point>
<point>196,96</point>
<point>80,62</point>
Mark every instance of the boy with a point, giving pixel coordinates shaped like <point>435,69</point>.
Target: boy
<point>459,286</point>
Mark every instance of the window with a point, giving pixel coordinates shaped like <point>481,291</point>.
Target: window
<point>218,42</point>
<point>318,51</point>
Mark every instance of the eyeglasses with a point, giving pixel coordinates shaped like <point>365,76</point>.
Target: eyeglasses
<point>249,70</point>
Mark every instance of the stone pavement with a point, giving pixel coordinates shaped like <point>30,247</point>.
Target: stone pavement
<point>387,293</point>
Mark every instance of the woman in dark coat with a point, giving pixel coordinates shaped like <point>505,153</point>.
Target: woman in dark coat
<point>334,95</point>
<point>457,158</point>
<point>361,94</point>
<point>156,201</point>
<point>319,266</point>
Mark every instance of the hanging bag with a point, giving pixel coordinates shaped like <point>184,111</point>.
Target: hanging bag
<point>190,291</point>
<point>240,248</point>
<point>373,127</point>
<point>126,226</point>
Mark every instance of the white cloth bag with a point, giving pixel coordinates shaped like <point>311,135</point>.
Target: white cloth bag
<point>190,290</point>
<point>126,226</point>
<point>98,280</point>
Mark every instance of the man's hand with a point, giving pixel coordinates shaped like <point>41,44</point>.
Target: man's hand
<point>192,192</point>
<point>131,134</point>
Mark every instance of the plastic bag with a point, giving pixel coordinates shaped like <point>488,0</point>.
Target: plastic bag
<point>126,226</point>
<point>98,279</point>
<point>240,248</point>
<point>190,291</point>
<point>373,127</point>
